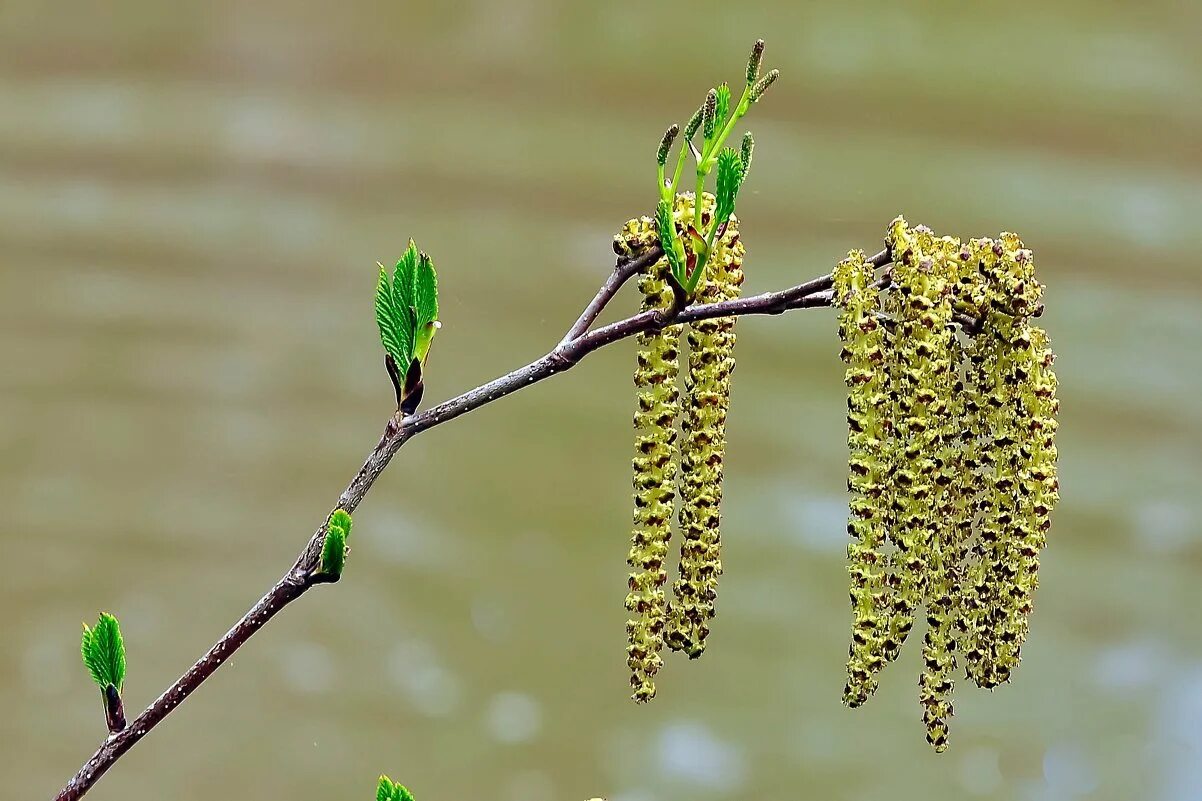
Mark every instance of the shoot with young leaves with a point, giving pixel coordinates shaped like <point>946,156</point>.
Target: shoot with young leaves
<point>103,653</point>
<point>716,120</point>
<point>407,316</point>
<point>334,549</point>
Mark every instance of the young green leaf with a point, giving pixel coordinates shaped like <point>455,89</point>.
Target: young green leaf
<point>426,306</point>
<point>404,280</point>
<point>342,519</point>
<point>388,790</point>
<point>393,335</point>
<point>730,177</point>
<point>669,241</point>
<point>723,105</point>
<point>103,652</point>
<point>333,550</point>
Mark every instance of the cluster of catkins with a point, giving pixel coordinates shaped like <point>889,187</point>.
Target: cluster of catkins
<point>688,462</point>
<point>952,466</point>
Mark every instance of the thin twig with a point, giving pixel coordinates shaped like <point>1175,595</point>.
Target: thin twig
<point>623,272</point>
<point>303,574</point>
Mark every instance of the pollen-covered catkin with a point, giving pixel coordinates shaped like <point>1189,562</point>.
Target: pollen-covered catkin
<point>703,441</point>
<point>654,468</point>
<point>1006,364</point>
<point>863,336</point>
<point>946,508</point>
<point>918,363</point>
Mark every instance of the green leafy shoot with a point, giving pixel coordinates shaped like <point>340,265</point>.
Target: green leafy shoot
<point>407,309</point>
<point>716,120</point>
<point>103,652</point>
<point>334,548</point>
<point>388,790</point>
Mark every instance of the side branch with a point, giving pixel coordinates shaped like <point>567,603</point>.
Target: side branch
<point>578,343</point>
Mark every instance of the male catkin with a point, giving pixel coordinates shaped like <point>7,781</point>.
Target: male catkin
<point>864,341</point>
<point>655,467</point>
<point>703,440</point>
<point>951,411</point>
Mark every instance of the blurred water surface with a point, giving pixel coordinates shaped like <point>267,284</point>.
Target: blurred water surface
<point>192,200</point>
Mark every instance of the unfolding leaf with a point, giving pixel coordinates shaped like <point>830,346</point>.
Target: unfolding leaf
<point>388,790</point>
<point>426,292</point>
<point>404,279</point>
<point>103,652</point>
<point>392,334</point>
<point>730,177</point>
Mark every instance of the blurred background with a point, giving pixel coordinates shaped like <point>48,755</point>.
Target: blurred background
<point>193,197</point>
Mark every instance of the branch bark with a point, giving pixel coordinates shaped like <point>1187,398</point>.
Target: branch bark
<point>303,575</point>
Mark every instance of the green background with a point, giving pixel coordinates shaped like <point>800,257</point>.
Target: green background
<point>193,197</point>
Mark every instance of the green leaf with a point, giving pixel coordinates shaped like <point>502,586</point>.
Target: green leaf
<point>103,652</point>
<point>723,104</point>
<point>404,280</point>
<point>333,549</point>
<point>333,552</point>
<point>730,177</point>
<point>669,241</point>
<point>388,790</point>
<point>342,519</point>
<point>393,333</point>
<point>425,292</point>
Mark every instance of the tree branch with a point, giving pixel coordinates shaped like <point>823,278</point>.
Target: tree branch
<point>578,343</point>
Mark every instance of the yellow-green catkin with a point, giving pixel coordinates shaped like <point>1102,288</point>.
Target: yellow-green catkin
<point>703,441</point>
<point>1018,459</point>
<point>654,468</point>
<point>948,521</point>
<point>918,363</point>
<point>863,337</point>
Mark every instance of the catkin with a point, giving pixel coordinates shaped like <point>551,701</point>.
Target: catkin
<point>951,413</point>
<point>863,336</point>
<point>947,510</point>
<point>654,467</point>
<point>703,441</point>
<point>918,362</point>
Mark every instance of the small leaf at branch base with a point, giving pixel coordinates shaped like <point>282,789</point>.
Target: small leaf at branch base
<point>333,549</point>
<point>103,652</point>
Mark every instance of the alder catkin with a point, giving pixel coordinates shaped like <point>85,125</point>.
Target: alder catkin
<point>703,440</point>
<point>863,337</point>
<point>654,466</point>
<point>918,360</point>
